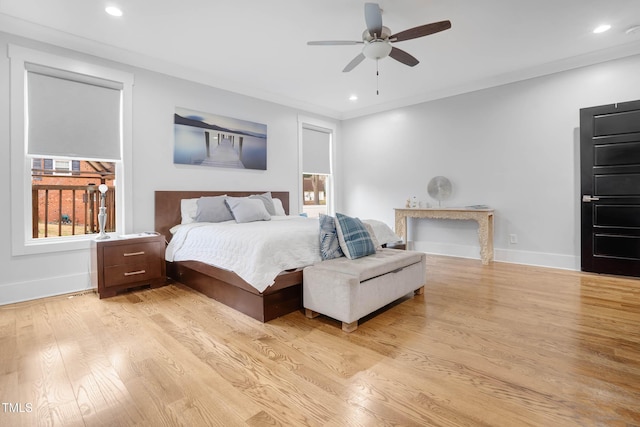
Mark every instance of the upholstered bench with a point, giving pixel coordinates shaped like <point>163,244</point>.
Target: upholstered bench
<point>348,290</point>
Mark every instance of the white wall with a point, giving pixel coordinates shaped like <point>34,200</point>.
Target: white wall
<point>513,147</point>
<point>155,98</point>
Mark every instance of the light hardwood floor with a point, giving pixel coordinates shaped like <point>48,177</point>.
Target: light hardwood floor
<point>499,345</point>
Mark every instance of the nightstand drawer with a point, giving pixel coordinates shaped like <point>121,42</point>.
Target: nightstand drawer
<point>134,253</point>
<point>131,273</point>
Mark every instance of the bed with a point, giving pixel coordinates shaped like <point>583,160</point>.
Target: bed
<point>282,297</point>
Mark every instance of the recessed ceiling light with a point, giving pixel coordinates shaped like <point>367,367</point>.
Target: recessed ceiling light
<point>113,11</point>
<point>602,28</point>
<point>353,98</point>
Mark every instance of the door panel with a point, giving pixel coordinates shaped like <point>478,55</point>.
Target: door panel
<point>627,247</point>
<point>617,123</point>
<point>610,184</point>
<point>617,216</point>
<point>617,185</point>
<point>617,154</point>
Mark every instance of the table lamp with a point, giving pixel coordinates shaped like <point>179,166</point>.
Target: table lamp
<point>102,216</point>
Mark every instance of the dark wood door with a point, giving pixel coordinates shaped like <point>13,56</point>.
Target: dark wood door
<point>610,183</point>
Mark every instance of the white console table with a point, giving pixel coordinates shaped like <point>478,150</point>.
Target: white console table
<point>484,218</point>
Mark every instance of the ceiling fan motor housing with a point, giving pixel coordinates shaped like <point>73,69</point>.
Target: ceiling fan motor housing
<point>367,36</point>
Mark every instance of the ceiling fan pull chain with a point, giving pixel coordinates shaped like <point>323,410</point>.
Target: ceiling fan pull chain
<point>377,79</point>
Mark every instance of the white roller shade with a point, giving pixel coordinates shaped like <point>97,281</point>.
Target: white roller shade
<point>72,115</point>
<point>316,152</point>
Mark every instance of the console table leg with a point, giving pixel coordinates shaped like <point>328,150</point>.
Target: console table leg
<point>485,236</point>
<point>401,227</point>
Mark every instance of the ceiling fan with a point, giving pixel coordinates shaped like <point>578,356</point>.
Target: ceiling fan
<point>377,39</point>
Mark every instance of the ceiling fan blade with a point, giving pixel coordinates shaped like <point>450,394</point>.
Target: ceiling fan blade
<point>355,61</point>
<point>402,56</point>
<point>373,18</point>
<point>421,31</point>
<point>333,43</point>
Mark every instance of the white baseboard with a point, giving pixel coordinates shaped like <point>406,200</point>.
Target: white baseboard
<point>25,291</point>
<point>541,259</point>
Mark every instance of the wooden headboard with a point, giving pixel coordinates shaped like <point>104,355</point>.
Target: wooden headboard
<point>167,205</point>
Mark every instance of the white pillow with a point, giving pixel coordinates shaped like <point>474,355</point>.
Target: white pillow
<point>382,232</point>
<point>277,204</point>
<point>188,210</point>
<point>372,234</point>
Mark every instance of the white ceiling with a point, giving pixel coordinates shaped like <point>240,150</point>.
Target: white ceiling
<point>258,47</point>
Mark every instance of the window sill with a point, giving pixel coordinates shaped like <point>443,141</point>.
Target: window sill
<point>51,245</point>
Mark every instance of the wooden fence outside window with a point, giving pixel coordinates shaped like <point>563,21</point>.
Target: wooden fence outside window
<point>68,210</point>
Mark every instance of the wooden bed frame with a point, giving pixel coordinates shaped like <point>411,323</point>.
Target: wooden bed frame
<point>281,298</point>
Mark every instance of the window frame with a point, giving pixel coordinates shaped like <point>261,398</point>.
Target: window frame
<point>22,241</point>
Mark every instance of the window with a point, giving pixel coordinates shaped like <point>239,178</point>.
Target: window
<point>316,146</point>
<point>65,198</point>
<point>71,131</point>
<point>54,167</point>
<point>62,167</point>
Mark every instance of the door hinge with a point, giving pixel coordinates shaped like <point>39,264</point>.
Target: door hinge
<point>589,198</point>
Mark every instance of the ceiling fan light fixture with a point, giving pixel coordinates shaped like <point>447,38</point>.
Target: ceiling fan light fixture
<point>377,49</point>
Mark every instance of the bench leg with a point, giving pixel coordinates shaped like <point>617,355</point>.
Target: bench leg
<point>349,327</point>
<point>310,313</point>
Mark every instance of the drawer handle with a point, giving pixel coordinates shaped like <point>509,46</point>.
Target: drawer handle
<point>133,273</point>
<point>133,253</point>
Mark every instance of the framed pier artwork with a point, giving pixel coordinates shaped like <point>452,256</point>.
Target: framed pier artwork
<point>211,140</point>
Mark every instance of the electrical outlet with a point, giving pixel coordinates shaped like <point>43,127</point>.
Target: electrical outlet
<point>513,238</point>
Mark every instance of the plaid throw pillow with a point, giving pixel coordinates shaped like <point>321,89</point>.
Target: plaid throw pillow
<point>355,240</point>
<point>329,243</point>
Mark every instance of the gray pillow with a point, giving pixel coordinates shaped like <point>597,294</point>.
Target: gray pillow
<point>213,209</point>
<point>267,200</point>
<point>245,209</point>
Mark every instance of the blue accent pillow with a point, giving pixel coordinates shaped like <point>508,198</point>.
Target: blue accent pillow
<point>329,243</point>
<point>354,238</point>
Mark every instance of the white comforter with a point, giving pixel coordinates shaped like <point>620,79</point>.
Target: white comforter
<point>255,251</point>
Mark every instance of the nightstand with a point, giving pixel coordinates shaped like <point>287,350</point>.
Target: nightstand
<point>395,245</point>
<point>125,262</point>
